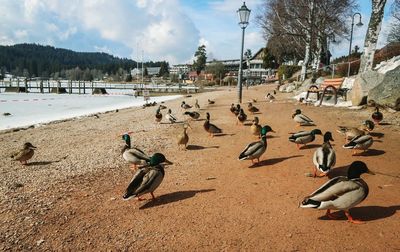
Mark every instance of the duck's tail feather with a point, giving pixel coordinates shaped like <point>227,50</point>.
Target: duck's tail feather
<point>309,203</point>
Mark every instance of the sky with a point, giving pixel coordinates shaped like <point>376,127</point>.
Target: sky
<point>154,30</point>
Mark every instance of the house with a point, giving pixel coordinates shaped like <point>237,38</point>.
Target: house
<point>180,69</point>
<point>255,72</point>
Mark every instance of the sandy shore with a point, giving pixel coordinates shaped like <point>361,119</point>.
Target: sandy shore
<point>69,197</point>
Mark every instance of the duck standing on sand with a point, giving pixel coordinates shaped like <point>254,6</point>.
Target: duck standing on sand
<point>237,110</point>
<point>133,155</point>
<point>194,115</point>
<point>359,143</point>
<point>301,119</point>
<point>377,116</point>
<point>158,115</point>
<point>241,117</point>
<point>196,105</point>
<point>255,128</point>
<point>23,155</point>
<point>232,108</point>
<point>147,178</point>
<point>183,138</point>
<point>170,117</point>
<point>210,101</point>
<point>211,128</point>
<point>255,149</point>
<point>352,132</point>
<point>324,157</point>
<point>341,193</point>
<point>269,97</point>
<point>304,137</point>
<point>252,109</point>
<point>185,106</point>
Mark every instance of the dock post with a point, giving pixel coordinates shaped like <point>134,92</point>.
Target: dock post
<point>84,88</point>
<point>48,85</point>
<point>26,85</point>
<point>79,86</point>
<point>41,86</point>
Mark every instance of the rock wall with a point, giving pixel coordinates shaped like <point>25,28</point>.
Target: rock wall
<point>387,92</point>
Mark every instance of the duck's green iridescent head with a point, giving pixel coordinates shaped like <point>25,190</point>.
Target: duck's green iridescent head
<point>328,136</point>
<point>266,129</point>
<point>127,139</point>
<point>316,132</point>
<point>157,159</point>
<point>357,168</point>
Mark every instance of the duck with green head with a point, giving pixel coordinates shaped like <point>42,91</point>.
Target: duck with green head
<point>254,150</point>
<point>359,143</point>
<point>341,193</point>
<point>304,137</point>
<point>133,155</point>
<point>324,157</point>
<point>147,178</point>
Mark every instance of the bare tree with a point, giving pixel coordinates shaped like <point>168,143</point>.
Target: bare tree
<point>394,33</point>
<point>371,39</point>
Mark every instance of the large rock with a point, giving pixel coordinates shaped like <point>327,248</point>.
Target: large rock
<point>388,91</point>
<point>363,83</point>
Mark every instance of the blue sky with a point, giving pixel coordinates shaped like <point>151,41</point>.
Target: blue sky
<point>162,29</point>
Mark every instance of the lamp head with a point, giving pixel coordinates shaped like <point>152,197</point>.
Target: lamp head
<point>244,15</point>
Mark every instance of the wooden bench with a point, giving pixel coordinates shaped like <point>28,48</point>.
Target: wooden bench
<point>328,87</point>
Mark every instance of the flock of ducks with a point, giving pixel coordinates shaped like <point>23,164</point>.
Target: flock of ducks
<point>339,193</point>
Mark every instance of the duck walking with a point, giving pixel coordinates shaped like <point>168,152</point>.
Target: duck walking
<point>158,115</point>
<point>194,115</point>
<point>377,116</point>
<point>255,128</point>
<point>24,154</point>
<point>304,137</point>
<point>359,143</point>
<point>183,138</point>
<point>147,178</point>
<point>211,128</point>
<point>255,149</point>
<point>302,119</point>
<point>133,155</point>
<point>341,193</point>
<point>252,109</point>
<point>170,117</point>
<point>185,105</point>
<point>324,157</point>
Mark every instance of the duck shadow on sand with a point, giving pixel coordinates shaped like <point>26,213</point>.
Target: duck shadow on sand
<point>366,213</point>
<point>371,153</point>
<point>198,147</point>
<point>173,197</point>
<point>45,162</point>
<point>224,134</point>
<point>376,134</point>
<point>272,161</point>
<point>309,146</point>
<point>385,123</point>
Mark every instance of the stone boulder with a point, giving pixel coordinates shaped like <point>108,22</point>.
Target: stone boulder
<point>363,83</point>
<point>388,91</point>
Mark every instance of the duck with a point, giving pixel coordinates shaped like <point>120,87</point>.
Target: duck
<point>24,154</point>
<point>254,150</point>
<point>232,108</point>
<point>252,109</point>
<point>170,117</point>
<point>241,117</point>
<point>341,193</point>
<point>237,110</point>
<point>255,128</point>
<point>304,137</point>
<point>302,119</point>
<point>210,101</point>
<point>147,178</point>
<point>185,106</point>
<point>163,106</point>
<point>269,97</point>
<point>359,143</point>
<point>324,157</point>
<point>196,105</point>
<point>377,116</point>
<point>158,115</point>
<point>183,137</point>
<point>352,132</point>
<point>133,155</point>
<point>194,115</point>
<point>211,128</point>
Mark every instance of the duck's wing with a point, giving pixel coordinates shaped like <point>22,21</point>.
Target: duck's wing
<point>135,183</point>
<point>20,154</point>
<point>151,180</point>
<point>305,118</point>
<point>138,154</point>
<point>294,136</point>
<point>362,139</point>
<point>214,129</point>
<point>251,149</point>
<point>331,189</point>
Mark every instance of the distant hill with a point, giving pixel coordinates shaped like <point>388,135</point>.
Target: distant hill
<point>33,60</point>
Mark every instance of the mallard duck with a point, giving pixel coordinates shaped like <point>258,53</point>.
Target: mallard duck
<point>158,115</point>
<point>304,137</point>
<point>324,157</point>
<point>352,132</point>
<point>147,178</point>
<point>185,106</point>
<point>301,119</point>
<point>133,155</point>
<point>232,108</point>
<point>24,154</point>
<point>341,193</point>
<point>241,117</point>
<point>237,110</point>
<point>170,117</point>
<point>210,101</point>
<point>196,105</point>
<point>269,97</point>
<point>211,128</point>
<point>183,137</point>
<point>377,116</point>
<point>359,143</point>
<point>255,149</point>
<point>255,127</point>
<point>162,106</point>
<point>194,115</point>
<point>252,109</point>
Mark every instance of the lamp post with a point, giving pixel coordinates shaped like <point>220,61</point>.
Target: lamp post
<point>351,37</point>
<point>244,14</point>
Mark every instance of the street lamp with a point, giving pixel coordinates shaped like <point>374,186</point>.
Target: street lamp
<point>351,36</point>
<point>244,14</point>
